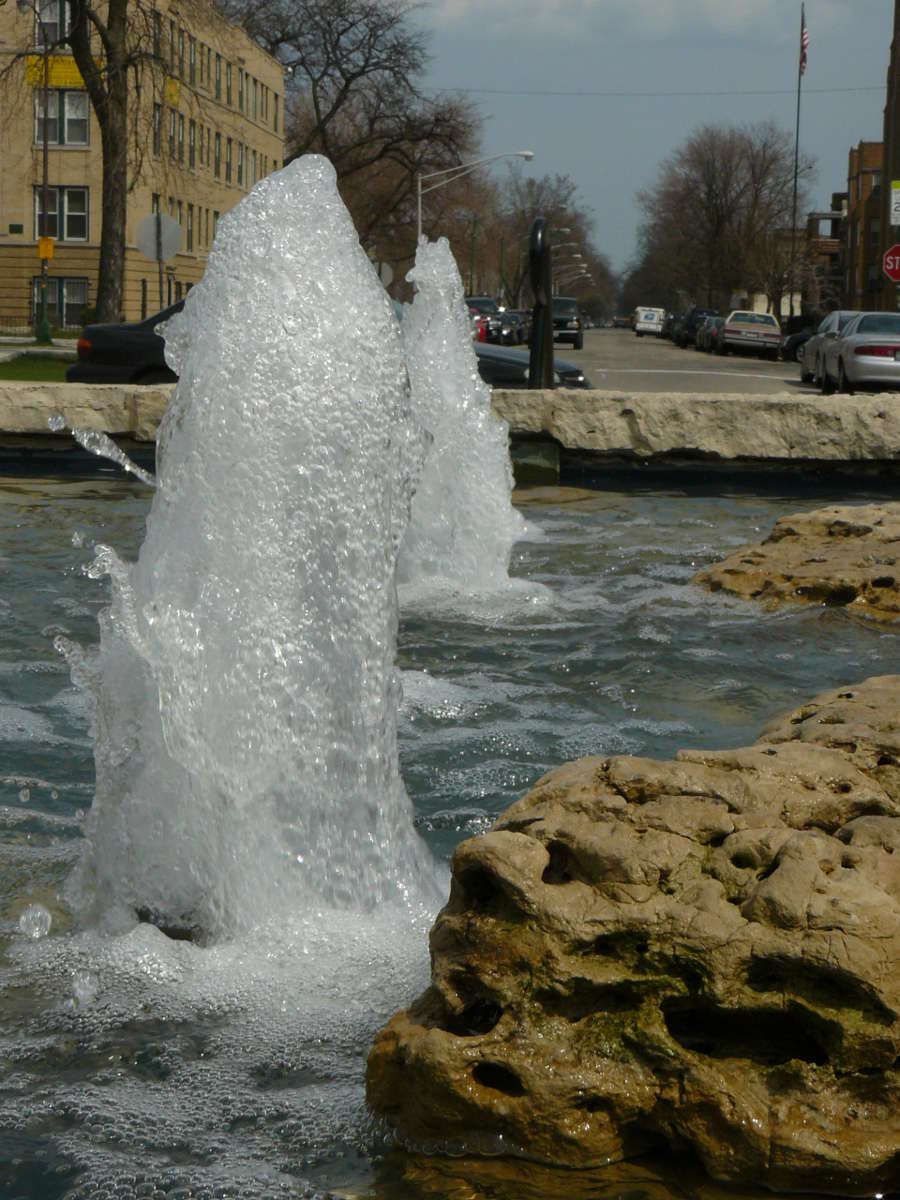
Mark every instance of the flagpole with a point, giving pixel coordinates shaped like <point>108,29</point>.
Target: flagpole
<point>800,65</point>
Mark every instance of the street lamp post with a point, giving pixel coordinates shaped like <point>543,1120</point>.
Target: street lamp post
<point>451,174</point>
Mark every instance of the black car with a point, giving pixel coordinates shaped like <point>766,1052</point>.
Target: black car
<point>134,352</point>
<point>693,319</point>
<point>567,325</point>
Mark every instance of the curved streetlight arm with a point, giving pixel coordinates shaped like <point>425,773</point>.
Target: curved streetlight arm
<point>451,174</point>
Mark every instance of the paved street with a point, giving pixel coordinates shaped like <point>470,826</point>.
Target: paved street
<point>618,359</point>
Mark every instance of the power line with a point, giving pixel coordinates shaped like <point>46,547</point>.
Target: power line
<point>482,91</point>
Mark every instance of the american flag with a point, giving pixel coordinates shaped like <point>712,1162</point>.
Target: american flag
<point>804,40</point>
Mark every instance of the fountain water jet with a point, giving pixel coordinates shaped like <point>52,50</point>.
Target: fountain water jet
<point>462,526</point>
<point>244,693</point>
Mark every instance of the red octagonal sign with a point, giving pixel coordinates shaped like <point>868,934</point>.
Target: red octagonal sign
<point>891,262</point>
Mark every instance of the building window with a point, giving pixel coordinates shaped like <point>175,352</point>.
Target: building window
<point>192,135</point>
<point>218,77</point>
<point>208,66</point>
<point>206,230</point>
<point>202,63</point>
<point>228,160</point>
<point>66,298</point>
<point>172,207</point>
<point>181,213</point>
<point>218,158</point>
<point>67,118</point>
<point>275,121</point>
<point>215,221</point>
<point>192,61</point>
<point>157,125</point>
<point>180,137</point>
<point>154,203</point>
<point>157,34</point>
<point>228,84</point>
<point>67,214</point>
<point>181,54</point>
<point>172,47</point>
<point>240,90</point>
<point>255,176</point>
<point>208,136</point>
<point>51,21</point>
<point>240,163</point>
<point>190,227</point>
<point>255,99</point>
<point>172,134</point>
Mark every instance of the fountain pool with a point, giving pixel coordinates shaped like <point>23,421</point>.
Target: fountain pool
<point>140,1066</point>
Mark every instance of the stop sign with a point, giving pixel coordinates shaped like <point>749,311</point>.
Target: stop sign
<point>891,262</point>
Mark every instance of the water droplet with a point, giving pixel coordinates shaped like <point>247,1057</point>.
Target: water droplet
<point>35,921</point>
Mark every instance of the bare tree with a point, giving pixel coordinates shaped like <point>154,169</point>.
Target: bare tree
<point>353,71</point>
<point>714,220</point>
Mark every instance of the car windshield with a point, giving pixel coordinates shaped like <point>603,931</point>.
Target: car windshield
<point>483,304</point>
<point>564,307</point>
<point>845,318</point>
<point>879,323</point>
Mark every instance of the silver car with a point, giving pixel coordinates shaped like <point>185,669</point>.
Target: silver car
<point>866,354</point>
<point>814,350</point>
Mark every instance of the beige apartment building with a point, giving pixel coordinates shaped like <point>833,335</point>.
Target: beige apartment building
<point>207,117</point>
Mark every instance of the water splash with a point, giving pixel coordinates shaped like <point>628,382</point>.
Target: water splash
<point>462,526</point>
<point>104,447</point>
<point>244,694</point>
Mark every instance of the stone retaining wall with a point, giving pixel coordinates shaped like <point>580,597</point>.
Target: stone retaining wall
<point>662,428</point>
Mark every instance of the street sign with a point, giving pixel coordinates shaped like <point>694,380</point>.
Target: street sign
<point>895,201</point>
<point>160,244</point>
<point>891,262</point>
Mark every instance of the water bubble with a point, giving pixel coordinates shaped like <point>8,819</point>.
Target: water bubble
<point>85,987</point>
<point>57,423</point>
<point>35,921</point>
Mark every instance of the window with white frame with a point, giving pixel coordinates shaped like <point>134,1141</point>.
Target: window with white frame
<point>66,301</point>
<point>51,20</point>
<point>67,214</point>
<point>67,118</point>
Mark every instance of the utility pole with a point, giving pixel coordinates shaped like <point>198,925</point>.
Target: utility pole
<point>43,329</point>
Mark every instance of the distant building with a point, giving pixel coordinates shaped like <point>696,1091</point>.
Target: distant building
<point>862,230</point>
<point>888,291</point>
<point>208,123</point>
<point>823,286</point>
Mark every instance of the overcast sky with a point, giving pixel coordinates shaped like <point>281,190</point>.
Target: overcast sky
<point>651,55</point>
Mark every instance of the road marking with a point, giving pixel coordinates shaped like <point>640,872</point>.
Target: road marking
<point>658,371</point>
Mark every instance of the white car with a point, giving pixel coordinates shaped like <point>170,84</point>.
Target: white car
<point>866,354</point>
<point>830,327</point>
<point>758,333</point>
<point>649,320</point>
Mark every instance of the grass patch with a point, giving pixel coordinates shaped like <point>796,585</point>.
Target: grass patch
<point>35,368</point>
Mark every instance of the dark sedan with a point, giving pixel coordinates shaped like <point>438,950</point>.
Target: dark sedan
<point>132,352</point>
<point>135,353</point>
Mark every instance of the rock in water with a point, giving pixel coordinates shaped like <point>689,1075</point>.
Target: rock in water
<point>702,953</point>
<point>841,556</point>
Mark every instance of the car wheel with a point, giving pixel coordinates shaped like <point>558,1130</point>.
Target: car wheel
<point>721,349</point>
<point>827,382</point>
<point>798,353</point>
<point>844,384</point>
<point>637,334</point>
<point>579,342</point>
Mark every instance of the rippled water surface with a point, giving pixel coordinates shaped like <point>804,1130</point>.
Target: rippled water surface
<point>151,1067</point>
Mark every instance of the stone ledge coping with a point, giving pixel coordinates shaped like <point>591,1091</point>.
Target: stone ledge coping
<point>642,426</point>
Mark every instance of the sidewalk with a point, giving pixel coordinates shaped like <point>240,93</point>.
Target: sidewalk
<point>14,347</point>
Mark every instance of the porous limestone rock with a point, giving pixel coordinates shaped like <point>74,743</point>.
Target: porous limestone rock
<point>702,954</point>
<point>847,555</point>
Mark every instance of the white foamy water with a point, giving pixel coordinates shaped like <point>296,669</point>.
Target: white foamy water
<point>244,694</point>
<point>456,549</point>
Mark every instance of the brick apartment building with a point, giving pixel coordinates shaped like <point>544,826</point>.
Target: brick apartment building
<point>208,122</point>
<point>862,229</point>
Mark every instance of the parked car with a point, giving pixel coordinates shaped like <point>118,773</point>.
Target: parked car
<point>567,321</point>
<point>668,329</point>
<point>649,320</point>
<point>693,319</point>
<point>131,352</point>
<point>708,334</point>
<point>793,345</point>
<point>750,332</point>
<point>490,310</point>
<point>866,354</point>
<point>814,351</point>
<point>513,331</point>
<point>134,352</point>
<point>525,320</point>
